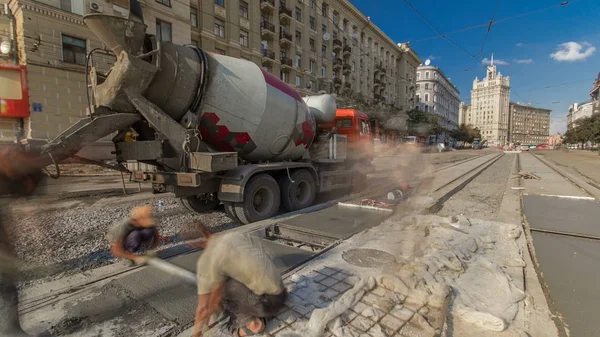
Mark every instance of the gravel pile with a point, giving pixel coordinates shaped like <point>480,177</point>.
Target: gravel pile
<point>481,198</point>
<point>73,240</point>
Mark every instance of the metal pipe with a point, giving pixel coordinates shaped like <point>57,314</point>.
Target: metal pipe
<point>174,270</point>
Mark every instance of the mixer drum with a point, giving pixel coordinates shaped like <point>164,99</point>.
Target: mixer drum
<point>250,111</point>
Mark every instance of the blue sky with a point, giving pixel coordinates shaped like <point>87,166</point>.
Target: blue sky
<point>529,45</point>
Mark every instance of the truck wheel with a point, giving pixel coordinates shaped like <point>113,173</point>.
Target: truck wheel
<point>230,211</point>
<point>204,202</point>
<point>300,193</point>
<point>261,199</point>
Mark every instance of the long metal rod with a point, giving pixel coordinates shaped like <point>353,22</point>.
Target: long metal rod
<point>172,269</point>
<point>575,235</point>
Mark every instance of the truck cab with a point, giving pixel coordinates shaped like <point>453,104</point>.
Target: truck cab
<point>355,126</point>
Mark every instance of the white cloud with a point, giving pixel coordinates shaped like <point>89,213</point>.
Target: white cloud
<point>499,62</point>
<point>520,44</point>
<point>573,51</point>
<point>524,61</point>
<point>431,57</point>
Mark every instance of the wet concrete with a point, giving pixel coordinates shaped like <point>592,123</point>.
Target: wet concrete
<point>566,215</point>
<point>571,271</point>
<point>550,183</point>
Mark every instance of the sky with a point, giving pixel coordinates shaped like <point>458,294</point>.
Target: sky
<point>552,56</point>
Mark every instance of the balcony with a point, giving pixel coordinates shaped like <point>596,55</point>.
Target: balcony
<point>285,14</point>
<point>286,62</point>
<point>268,56</point>
<point>337,45</point>
<point>347,51</point>
<point>337,82</point>
<point>267,29</point>
<point>376,71</point>
<point>337,64</point>
<point>380,67</point>
<point>285,38</point>
<point>267,5</point>
<point>348,85</point>
<point>347,69</point>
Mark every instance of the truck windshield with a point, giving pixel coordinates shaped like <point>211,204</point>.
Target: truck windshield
<point>345,123</point>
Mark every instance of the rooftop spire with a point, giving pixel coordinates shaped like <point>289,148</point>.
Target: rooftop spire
<point>492,61</point>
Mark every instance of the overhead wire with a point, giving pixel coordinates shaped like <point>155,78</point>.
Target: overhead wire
<point>487,33</point>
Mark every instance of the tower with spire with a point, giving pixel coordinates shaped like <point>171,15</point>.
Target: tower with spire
<point>490,99</point>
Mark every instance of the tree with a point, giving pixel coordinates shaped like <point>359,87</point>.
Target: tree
<point>587,130</point>
<point>466,133</point>
<point>434,127</point>
<point>418,122</point>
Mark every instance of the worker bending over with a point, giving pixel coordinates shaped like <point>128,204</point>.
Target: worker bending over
<point>133,234</point>
<point>236,275</point>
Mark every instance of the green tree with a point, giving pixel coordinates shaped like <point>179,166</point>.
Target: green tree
<point>587,130</point>
<point>434,127</point>
<point>466,133</point>
<point>418,122</point>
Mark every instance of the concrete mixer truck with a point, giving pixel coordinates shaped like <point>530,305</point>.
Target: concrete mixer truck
<point>218,129</point>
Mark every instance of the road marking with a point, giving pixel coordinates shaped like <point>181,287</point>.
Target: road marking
<point>567,197</point>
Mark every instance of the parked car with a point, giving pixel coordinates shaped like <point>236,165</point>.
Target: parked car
<point>543,146</point>
<point>524,147</point>
<point>476,145</point>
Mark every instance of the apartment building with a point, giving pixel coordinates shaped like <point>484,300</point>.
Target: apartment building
<point>490,106</point>
<point>528,124</point>
<point>579,111</point>
<point>316,46</point>
<point>438,96</point>
<point>464,116</point>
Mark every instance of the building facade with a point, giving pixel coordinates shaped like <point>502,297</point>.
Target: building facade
<point>438,96</point>
<point>528,124</point>
<point>595,95</point>
<point>555,140</point>
<point>578,111</point>
<point>316,46</point>
<point>464,116</point>
<point>490,106</point>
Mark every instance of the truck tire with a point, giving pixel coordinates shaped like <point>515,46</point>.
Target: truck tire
<point>300,193</point>
<point>201,203</point>
<point>230,211</point>
<point>262,199</point>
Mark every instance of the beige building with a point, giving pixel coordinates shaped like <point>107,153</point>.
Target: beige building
<point>464,114</point>
<point>489,106</point>
<point>528,125</point>
<point>314,45</point>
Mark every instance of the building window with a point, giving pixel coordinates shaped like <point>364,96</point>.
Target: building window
<point>311,66</point>
<point>311,22</point>
<point>418,76</point>
<point>335,36</point>
<point>426,86</point>
<point>298,38</point>
<point>311,45</point>
<point>323,28</point>
<point>283,76</point>
<point>418,87</point>
<point>426,98</point>
<point>335,18</point>
<point>193,17</point>
<point>324,51</point>
<point>323,71</point>
<point>220,51</point>
<point>163,31</point>
<point>219,2</point>
<point>220,28</point>
<point>74,6</point>
<point>353,65</point>
<point>311,3</point>
<point>298,14</point>
<point>324,9</point>
<point>244,38</point>
<point>426,75</point>
<point>298,61</point>
<point>74,50</point>
<point>244,9</point>
<point>298,81</point>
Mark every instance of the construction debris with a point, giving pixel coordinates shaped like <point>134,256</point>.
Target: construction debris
<point>528,175</point>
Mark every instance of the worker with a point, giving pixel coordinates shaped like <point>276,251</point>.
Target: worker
<point>235,274</point>
<point>20,173</point>
<point>131,235</point>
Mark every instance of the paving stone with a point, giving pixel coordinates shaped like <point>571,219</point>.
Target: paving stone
<point>339,276</point>
<point>299,325</point>
<point>283,332</point>
<point>404,313</point>
<point>351,280</point>
<point>348,331</point>
<point>392,322</point>
<point>319,277</point>
<point>292,299</point>
<point>304,308</point>
<point>384,303</point>
<point>273,326</point>
<point>329,281</point>
<point>335,324</point>
<point>377,331</point>
<point>359,307</point>
<point>362,323</point>
<point>348,315</point>
<point>373,313</point>
<point>341,287</point>
<point>328,271</point>
<point>303,293</point>
<point>414,329</point>
<point>436,317</point>
<point>289,317</point>
<point>330,293</point>
<point>413,306</point>
<point>316,286</point>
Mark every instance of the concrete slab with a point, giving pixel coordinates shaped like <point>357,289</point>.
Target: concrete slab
<point>567,215</point>
<point>341,221</point>
<point>551,183</point>
<point>570,269</point>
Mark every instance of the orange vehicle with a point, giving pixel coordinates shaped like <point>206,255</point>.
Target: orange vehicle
<point>355,126</point>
